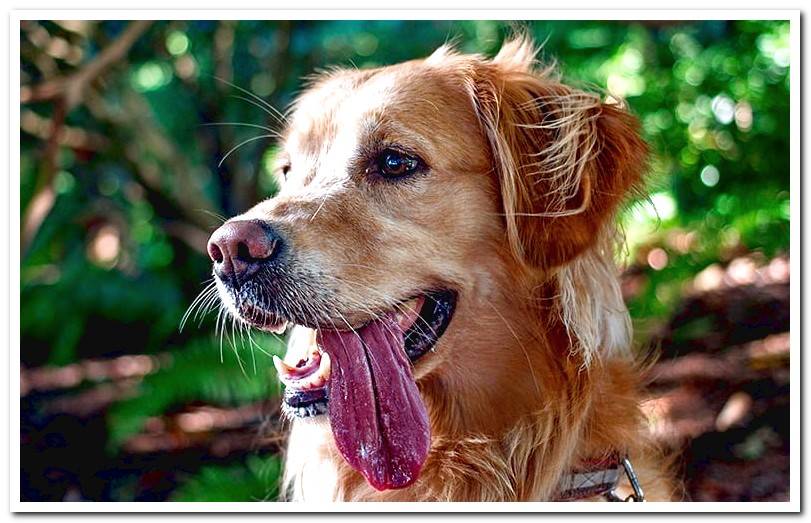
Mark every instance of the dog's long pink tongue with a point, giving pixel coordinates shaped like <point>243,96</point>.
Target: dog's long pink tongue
<point>378,419</point>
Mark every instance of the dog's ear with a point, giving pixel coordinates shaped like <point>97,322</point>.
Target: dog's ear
<point>564,158</point>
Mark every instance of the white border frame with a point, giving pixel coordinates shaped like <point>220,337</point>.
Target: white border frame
<point>793,16</point>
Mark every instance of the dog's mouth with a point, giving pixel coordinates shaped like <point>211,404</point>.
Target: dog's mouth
<point>362,378</point>
<point>423,320</point>
<point>259,318</point>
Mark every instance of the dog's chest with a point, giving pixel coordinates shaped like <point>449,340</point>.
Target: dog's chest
<point>311,468</point>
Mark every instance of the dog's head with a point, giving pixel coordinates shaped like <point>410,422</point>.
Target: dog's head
<point>412,192</point>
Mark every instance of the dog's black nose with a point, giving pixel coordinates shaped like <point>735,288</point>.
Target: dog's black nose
<point>239,248</point>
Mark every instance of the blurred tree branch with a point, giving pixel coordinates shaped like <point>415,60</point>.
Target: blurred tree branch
<point>66,93</point>
<point>44,193</point>
<point>72,137</point>
<point>71,88</point>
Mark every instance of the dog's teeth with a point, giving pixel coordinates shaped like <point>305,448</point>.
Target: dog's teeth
<point>409,312</point>
<point>282,368</point>
<point>279,329</point>
<point>324,367</point>
<point>291,376</point>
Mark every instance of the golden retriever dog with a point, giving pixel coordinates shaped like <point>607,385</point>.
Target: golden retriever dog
<point>442,251</point>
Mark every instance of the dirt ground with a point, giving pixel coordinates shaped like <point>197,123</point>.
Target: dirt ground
<point>719,394</point>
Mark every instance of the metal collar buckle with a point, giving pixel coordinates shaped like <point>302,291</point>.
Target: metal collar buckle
<point>638,496</point>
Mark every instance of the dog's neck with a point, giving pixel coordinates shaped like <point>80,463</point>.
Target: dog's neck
<point>500,363</point>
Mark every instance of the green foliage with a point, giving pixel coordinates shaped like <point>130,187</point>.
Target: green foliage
<point>154,166</point>
<point>237,372</point>
<point>255,480</point>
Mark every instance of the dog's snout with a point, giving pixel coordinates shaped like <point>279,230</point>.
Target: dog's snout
<point>239,248</point>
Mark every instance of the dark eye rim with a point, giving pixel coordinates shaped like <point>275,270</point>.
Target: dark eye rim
<point>378,164</point>
<point>285,169</point>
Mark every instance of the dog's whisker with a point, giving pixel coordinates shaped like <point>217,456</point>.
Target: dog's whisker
<point>218,216</point>
<point>323,201</point>
<point>244,142</point>
<point>258,101</point>
<point>349,326</point>
<point>204,309</point>
<point>238,124</point>
<point>220,326</point>
<point>201,297</point>
<point>260,107</point>
<point>242,329</point>
<point>210,294</point>
<point>232,341</point>
<point>256,345</point>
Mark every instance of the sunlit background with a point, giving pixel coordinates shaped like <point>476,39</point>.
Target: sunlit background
<point>138,138</point>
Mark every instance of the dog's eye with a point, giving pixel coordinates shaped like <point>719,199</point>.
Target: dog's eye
<point>394,164</point>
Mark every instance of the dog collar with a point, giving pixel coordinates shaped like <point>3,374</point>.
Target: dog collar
<point>599,477</point>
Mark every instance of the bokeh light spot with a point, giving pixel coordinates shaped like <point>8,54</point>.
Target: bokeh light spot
<point>186,66</point>
<point>657,259</point>
<point>151,76</point>
<point>263,85</point>
<point>743,116</point>
<point>64,182</point>
<point>104,246</point>
<point>710,175</point>
<point>723,108</point>
<point>177,43</point>
<point>365,44</point>
<point>664,205</point>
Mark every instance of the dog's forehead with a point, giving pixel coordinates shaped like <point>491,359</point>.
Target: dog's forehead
<point>351,102</point>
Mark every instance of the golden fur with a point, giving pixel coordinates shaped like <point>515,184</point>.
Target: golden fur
<point>535,371</point>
